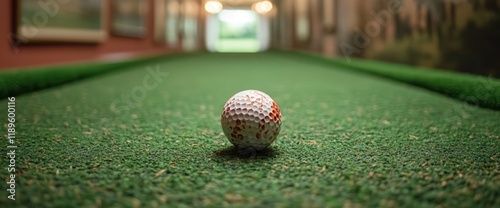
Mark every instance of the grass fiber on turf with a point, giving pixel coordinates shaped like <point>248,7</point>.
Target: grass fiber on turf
<point>19,81</point>
<point>347,139</point>
<point>474,89</point>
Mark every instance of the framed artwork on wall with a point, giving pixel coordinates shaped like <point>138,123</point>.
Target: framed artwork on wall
<point>128,18</point>
<point>159,22</point>
<point>302,20</point>
<point>172,22</point>
<point>167,22</point>
<point>189,24</point>
<point>60,21</point>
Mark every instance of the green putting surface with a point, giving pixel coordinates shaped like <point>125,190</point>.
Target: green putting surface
<point>19,81</point>
<point>347,139</point>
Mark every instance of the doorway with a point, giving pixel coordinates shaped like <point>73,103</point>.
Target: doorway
<point>237,30</point>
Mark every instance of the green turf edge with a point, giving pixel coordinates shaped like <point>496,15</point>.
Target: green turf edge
<point>473,89</point>
<point>14,82</point>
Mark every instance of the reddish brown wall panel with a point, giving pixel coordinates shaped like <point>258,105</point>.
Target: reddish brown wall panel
<point>57,53</point>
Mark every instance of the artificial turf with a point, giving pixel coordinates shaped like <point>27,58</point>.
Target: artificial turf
<point>348,139</point>
<point>473,89</point>
<point>18,81</point>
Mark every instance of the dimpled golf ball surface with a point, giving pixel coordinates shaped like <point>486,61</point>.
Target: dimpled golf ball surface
<point>251,119</point>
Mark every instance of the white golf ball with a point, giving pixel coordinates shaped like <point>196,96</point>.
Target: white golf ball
<point>251,119</point>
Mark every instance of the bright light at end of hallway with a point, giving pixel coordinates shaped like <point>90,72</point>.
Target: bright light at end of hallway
<point>237,17</point>
<point>213,7</point>
<point>262,7</point>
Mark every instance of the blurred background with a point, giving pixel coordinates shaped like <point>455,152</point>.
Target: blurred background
<point>454,35</point>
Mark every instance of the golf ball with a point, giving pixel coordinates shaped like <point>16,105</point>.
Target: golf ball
<point>251,119</point>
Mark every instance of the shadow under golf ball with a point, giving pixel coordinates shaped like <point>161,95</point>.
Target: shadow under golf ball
<point>246,153</point>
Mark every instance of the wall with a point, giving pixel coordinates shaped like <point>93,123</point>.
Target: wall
<point>49,53</point>
<point>448,34</point>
